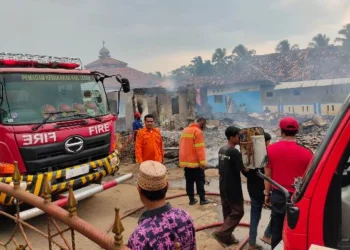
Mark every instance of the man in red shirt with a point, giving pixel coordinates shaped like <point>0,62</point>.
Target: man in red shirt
<point>287,160</point>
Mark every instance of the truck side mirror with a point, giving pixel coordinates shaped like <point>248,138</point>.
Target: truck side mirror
<point>125,85</point>
<point>292,215</point>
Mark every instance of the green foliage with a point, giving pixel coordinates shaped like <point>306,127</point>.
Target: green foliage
<point>221,61</point>
<point>284,46</point>
<point>319,41</point>
<point>345,39</point>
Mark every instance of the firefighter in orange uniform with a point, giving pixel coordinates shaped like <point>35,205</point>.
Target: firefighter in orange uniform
<point>149,142</point>
<point>192,158</point>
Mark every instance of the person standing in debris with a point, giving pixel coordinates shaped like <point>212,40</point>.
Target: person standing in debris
<point>149,142</point>
<point>136,125</point>
<point>230,167</point>
<point>256,188</point>
<point>192,158</point>
<point>161,226</point>
<point>287,160</point>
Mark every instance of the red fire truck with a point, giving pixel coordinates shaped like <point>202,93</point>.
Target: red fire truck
<point>319,211</point>
<point>54,119</point>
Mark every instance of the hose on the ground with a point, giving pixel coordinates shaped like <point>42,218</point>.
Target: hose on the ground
<point>212,225</point>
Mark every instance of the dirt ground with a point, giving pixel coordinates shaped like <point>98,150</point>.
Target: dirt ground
<point>99,211</point>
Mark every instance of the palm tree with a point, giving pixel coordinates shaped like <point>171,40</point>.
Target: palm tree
<point>200,68</point>
<point>284,46</point>
<point>345,40</point>
<point>319,41</point>
<point>219,56</point>
<point>241,53</point>
<point>220,60</point>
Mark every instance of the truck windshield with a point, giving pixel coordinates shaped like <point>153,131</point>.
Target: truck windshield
<point>30,98</point>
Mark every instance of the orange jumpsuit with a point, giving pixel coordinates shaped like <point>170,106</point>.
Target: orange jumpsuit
<point>192,147</point>
<point>149,145</point>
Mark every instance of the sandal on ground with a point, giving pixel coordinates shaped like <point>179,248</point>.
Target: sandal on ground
<point>266,240</point>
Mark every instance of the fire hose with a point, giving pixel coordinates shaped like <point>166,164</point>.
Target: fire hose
<point>200,228</point>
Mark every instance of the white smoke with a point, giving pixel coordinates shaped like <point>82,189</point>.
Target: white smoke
<point>168,84</point>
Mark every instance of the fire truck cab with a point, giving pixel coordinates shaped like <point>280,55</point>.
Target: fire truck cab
<point>319,211</point>
<point>54,119</point>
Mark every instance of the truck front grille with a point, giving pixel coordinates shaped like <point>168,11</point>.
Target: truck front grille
<point>40,158</point>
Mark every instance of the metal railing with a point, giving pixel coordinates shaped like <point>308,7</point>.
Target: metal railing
<point>54,215</point>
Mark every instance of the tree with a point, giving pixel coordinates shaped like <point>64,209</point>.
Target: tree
<point>284,46</point>
<point>345,40</point>
<point>200,68</point>
<point>241,53</point>
<point>159,74</point>
<point>220,60</point>
<point>319,41</point>
<point>295,47</point>
<point>182,71</point>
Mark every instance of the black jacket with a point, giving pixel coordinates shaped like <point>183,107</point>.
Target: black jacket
<point>255,185</point>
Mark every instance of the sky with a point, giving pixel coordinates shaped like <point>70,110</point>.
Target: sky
<point>162,35</point>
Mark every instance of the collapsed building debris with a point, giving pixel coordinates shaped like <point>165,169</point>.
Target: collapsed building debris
<point>313,131</point>
<point>172,108</point>
<point>311,134</point>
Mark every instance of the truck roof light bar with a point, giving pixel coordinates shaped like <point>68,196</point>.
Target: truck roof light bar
<point>38,61</point>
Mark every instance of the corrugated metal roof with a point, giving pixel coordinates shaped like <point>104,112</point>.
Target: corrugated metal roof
<point>312,83</point>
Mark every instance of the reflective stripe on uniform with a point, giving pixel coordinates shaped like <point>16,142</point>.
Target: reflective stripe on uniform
<point>183,135</point>
<point>189,164</point>
<point>199,145</point>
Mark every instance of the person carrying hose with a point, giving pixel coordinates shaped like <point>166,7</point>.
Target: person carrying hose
<point>230,167</point>
<point>256,187</point>
<point>192,158</point>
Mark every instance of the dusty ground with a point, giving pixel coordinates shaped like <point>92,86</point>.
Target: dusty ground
<point>99,211</point>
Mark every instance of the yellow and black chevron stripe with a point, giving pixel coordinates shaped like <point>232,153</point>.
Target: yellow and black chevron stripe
<point>36,181</point>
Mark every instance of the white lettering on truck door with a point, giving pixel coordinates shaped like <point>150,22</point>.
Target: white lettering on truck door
<point>99,129</point>
<point>33,139</point>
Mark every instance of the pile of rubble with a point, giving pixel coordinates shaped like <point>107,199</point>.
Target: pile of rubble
<point>313,131</point>
<point>125,146</point>
<point>311,134</point>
